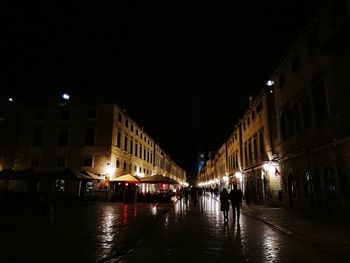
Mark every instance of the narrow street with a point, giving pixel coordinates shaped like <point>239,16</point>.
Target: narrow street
<point>199,234</point>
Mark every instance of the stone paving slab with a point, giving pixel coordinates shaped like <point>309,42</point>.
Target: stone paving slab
<point>330,237</point>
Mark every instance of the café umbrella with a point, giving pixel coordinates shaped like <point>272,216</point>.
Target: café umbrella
<point>158,179</point>
<point>126,178</point>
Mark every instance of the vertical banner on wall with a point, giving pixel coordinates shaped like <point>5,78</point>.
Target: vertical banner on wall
<point>201,160</point>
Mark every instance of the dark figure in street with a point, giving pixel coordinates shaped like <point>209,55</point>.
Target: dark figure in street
<point>225,204</point>
<point>186,195</point>
<point>236,196</point>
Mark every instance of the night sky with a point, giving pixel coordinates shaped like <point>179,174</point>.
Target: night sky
<point>183,71</point>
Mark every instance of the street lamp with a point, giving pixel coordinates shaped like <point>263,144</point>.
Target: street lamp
<point>66,96</point>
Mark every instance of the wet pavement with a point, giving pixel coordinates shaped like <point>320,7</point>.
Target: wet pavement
<point>199,234</point>
<point>86,233</point>
<point>116,232</point>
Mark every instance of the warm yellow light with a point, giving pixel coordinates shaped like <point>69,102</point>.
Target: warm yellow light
<point>110,169</point>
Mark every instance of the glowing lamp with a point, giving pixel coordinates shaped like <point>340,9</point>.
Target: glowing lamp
<point>270,83</point>
<point>65,96</point>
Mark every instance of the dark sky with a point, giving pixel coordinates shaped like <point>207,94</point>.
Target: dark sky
<point>183,71</point>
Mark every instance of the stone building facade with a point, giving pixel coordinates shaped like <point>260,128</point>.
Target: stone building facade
<point>312,95</point>
<point>101,139</point>
<point>260,170</point>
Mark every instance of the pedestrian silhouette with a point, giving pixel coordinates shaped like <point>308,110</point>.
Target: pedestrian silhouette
<point>236,201</point>
<point>225,204</point>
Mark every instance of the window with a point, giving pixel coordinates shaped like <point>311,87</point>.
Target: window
<point>144,154</point>
<point>236,159</point>
<point>320,101</point>
<point>147,156</point>
<point>137,132</point>
<point>297,118</point>
<point>307,184</point>
<point>89,187</point>
<point>87,162</point>
<point>140,151</point>
<point>124,167</point>
<point>250,150</point>
<point>34,163</point>
<point>90,113</point>
<point>261,142</point>
<point>60,185</point>
<point>253,115</point>
<point>61,163</point>
<point>245,153</point>
<point>131,146</point>
<point>126,123</point>
<point>306,113</point>
<point>255,147</point>
<point>89,136</point>
<point>136,148</point>
<point>37,138</point>
<point>290,123</point>
<point>63,136</point>
<point>65,114</point>
<point>119,117</point>
<point>117,163</point>
<point>125,143</point>
<point>119,138</point>
<point>132,128</point>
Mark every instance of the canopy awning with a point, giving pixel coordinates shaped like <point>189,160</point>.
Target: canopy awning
<point>158,179</point>
<point>125,178</point>
<point>92,175</point>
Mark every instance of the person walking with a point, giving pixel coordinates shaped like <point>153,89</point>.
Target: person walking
<point>225,204</point>
<point>236,196</point>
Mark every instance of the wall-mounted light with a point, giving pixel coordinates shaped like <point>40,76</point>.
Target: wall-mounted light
<point>270,83</point>
<point>110,169</point>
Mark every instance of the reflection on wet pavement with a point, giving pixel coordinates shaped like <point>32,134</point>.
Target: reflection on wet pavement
<point>199,234</point>
<point>87,233</point>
